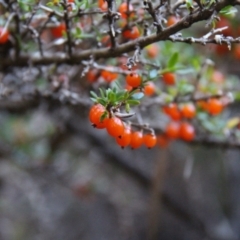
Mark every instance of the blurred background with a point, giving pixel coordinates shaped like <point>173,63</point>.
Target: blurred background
<point>62,179</point>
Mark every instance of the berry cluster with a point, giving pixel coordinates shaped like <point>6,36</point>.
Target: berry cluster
<point>121,131</point>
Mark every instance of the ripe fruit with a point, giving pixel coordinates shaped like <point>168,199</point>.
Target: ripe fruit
<point>125,137</point>
<point>136,139</point>
<point>187,131</point>
<point>95,115</point>
<point>59,30</point>
<point>133,80</point>
<point>114,126</point>
<point>149,140</point>
<point>172,130</point>
<point>214,106</point>
<point>4,35</point>
<point>149,89</point>
<point>188,111</point>
<point>123,10</point>
<point>169,78</point>
<point>172,20</point>
<point>172,111</point>
<point>132,33</point>
<point>103,5</point>
<point>152,50</point>
<point>108,76</point>
<point>92,75</point>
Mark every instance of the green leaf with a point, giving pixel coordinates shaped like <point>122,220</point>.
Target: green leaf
<point>173,60</point>
<point>94,100</point>
<point>133,102</point>
<point>229,10</point>
<point>127,108</point>
<point>93,94</point>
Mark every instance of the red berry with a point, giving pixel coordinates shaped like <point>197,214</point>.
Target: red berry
<point>103,5</point>
<point>152,50</point>
<point>123,10</point>
<point>92,75</point>
<point>149,140</point>
<point>136,139</point>
<point>172,111</point>
<point>214,106</point>
<point>115,127</point>
<point>4,35</point>
<point>172,130</point>
<point>108,76</point>
<point>187,131</point>
<point>188,111</point>
<point>95,115</point>
<point>131,33</point>
<point>59,30</point>
<point>169,78</point>
<point>172,20</point>
<point>125,137</point>
<point>133,80</point>
<point>149,89</point>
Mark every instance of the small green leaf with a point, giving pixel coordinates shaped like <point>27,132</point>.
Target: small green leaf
<point>93,94</point>
<point>133,102</point>
<point>127,108</point>
<point>94,100</point>
<point>173,60</point>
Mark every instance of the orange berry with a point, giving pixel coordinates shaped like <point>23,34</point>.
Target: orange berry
<point>115,127</point>
<point>95,115</point>
<point>133,80</point>
<point>4,35</point>
<point>59,30</point>
<point>187,131</point>
<point>149,89</point>
<point>188,111</point>
<point>162,141</point>
<point>150,140</point>
<point>172,20</point>
<point>131,33</point>
<point>152,50</point>
<point>125,139</point>
<point>172,111</point>
<point>172,130</point>
<point>123,10</point>
<point>103,5</point>
<point>92,75</point>
<point>108,76</point>
<point>215,106</point>
<point>136,139</point>
<point>169,78</point>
